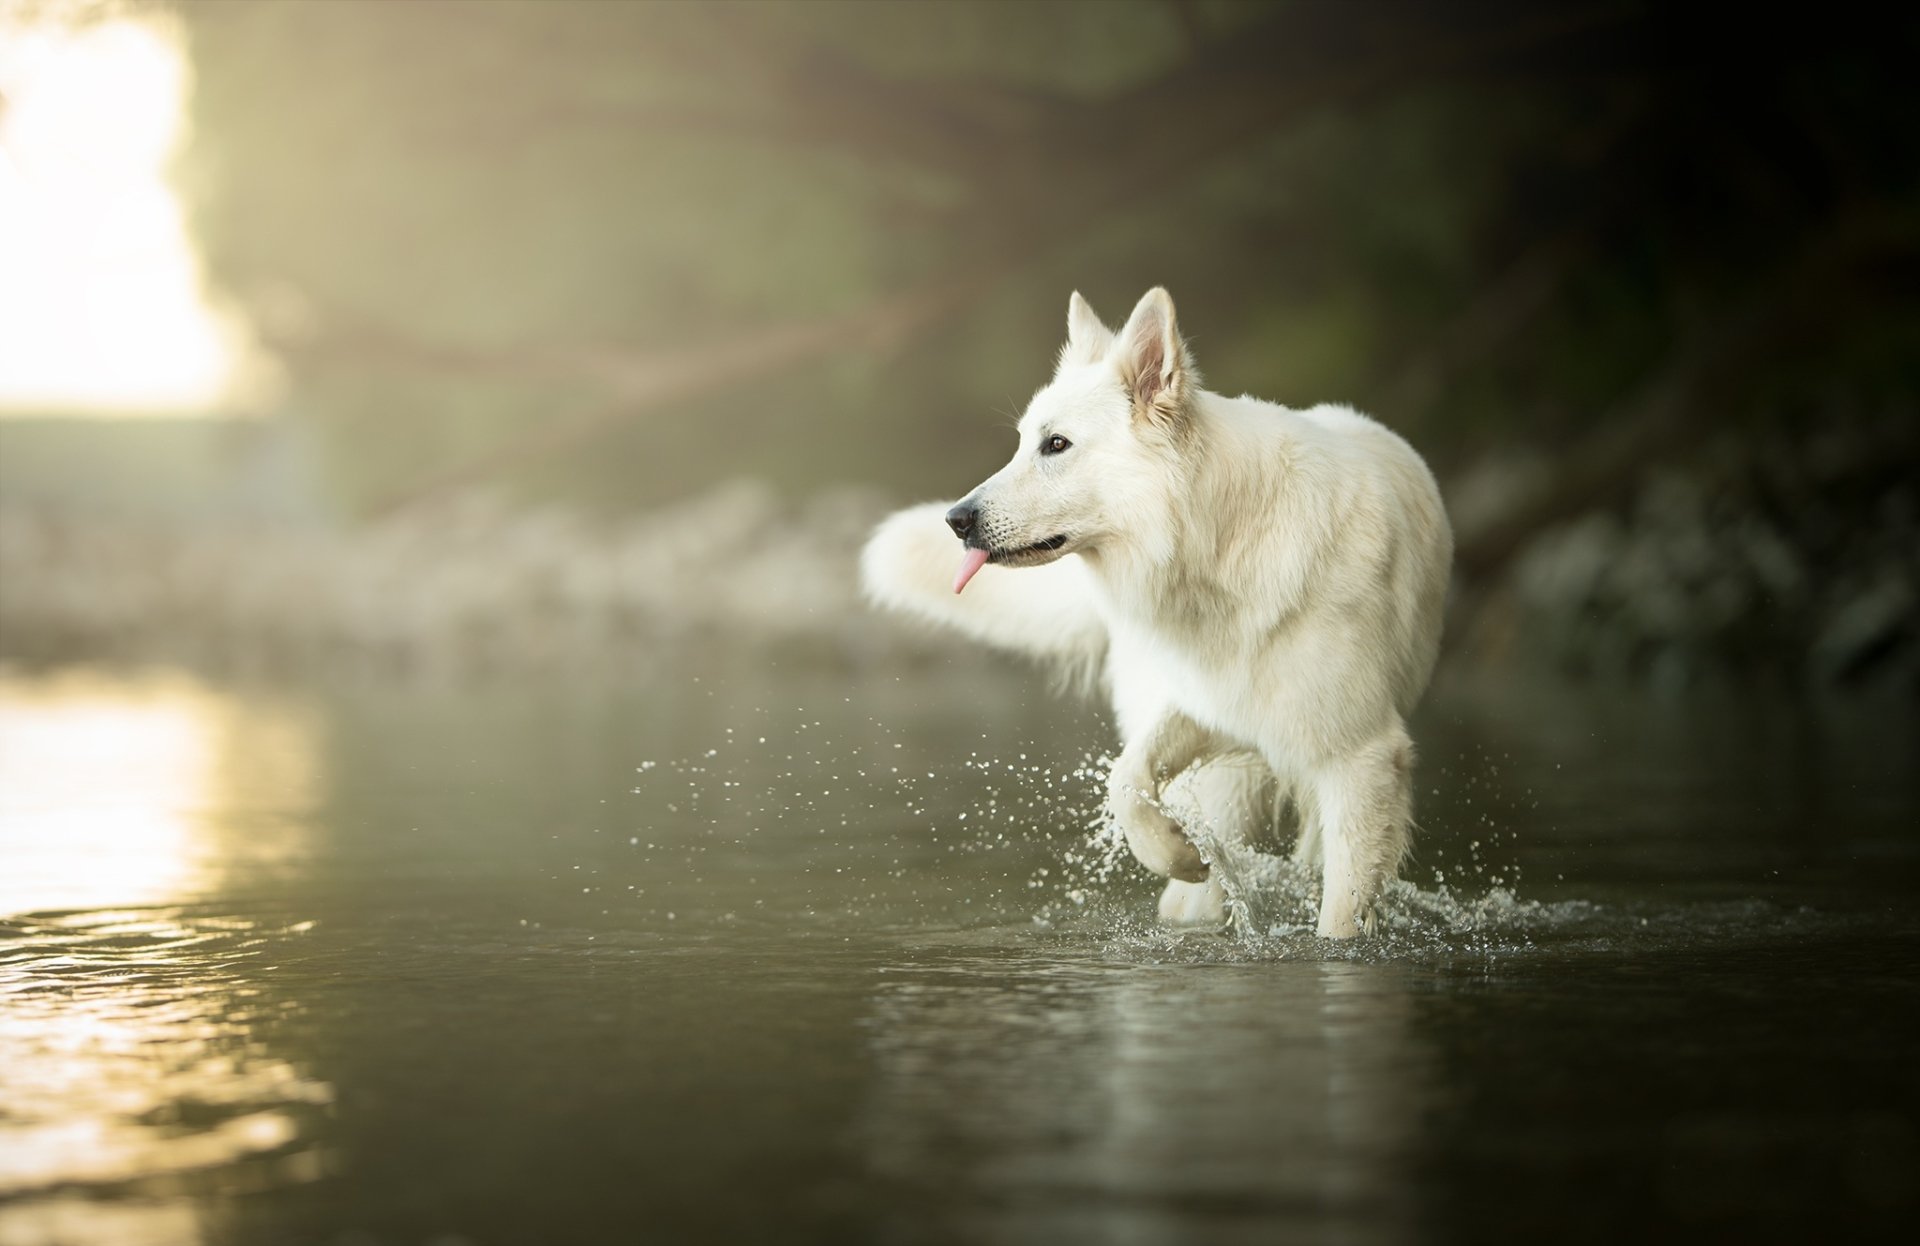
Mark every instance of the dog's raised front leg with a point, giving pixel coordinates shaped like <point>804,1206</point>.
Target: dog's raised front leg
<point>1133,796</point>
<point>1234,795</point>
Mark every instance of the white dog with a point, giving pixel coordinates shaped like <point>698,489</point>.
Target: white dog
<point>1264,585</point>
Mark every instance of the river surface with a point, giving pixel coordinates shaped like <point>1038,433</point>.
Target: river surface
<point>748,954</point>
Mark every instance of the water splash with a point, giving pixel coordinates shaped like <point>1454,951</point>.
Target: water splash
<point>1006,835</point>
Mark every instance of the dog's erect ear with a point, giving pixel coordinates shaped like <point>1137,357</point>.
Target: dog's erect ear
<point>1153,360</point>
<point>1087,336</point>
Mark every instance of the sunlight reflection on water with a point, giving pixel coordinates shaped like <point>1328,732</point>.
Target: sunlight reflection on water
<point>110,789</point>
<point>128,1060</point>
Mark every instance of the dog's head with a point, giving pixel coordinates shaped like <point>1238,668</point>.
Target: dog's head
<point>1099,445</point>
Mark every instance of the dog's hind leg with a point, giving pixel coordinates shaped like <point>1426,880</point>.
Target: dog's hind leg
<point>1173,743</point>
<point>1363,803</point>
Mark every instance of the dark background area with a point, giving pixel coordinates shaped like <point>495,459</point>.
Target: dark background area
<point>1637,279</point>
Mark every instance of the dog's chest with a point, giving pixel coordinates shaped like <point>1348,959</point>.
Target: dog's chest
<point>1173,667</point>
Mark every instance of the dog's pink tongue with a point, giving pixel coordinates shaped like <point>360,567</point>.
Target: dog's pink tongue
<point>972,562</point>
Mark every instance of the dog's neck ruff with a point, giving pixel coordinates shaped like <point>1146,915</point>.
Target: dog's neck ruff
<point>1165,569</point>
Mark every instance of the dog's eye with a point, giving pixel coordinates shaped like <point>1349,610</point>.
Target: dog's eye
<point>1054,444</point>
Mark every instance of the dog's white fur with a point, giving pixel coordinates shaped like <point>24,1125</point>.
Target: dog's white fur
<point>1264,585</point>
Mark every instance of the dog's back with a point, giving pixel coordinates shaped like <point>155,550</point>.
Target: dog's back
<point>1396,539</point>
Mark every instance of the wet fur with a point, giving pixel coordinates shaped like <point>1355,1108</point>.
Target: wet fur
<point>1262,589</point>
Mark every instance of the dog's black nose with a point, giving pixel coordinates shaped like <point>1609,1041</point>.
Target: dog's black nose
<point>962,518</point>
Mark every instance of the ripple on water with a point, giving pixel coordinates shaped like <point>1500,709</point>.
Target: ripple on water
<point>130,1065</point>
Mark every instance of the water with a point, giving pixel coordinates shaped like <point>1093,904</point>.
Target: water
<point>719,958</point>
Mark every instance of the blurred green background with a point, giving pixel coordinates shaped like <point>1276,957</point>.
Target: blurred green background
<point>596,323</point>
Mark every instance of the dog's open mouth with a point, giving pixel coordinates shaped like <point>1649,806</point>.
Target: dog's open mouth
<point>976,558</point>
<point>1015,556</point>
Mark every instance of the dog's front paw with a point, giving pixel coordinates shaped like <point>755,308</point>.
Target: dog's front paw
<point>1158,843</point>
<point>1194,904</point>
<point>1346,921</point>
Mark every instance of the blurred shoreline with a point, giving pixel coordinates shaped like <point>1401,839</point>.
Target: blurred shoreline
<point>1763,563</point>
<point>465,588</point>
